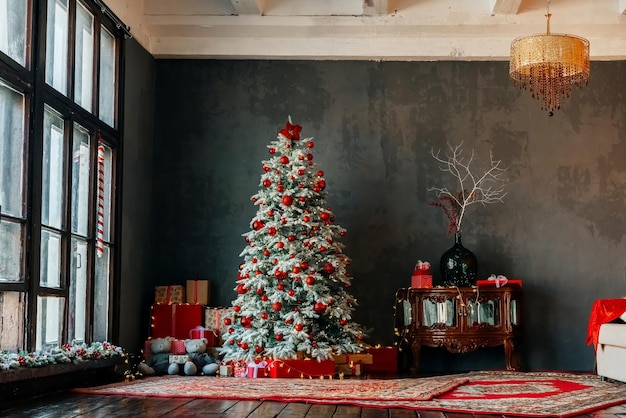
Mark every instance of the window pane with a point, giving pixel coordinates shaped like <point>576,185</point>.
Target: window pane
<point>50,259</point>
<point>49,321</point>
<point>108,87</point>
<point>52,171</point>
<point>12,156</point>
<point>78,291</point>
<point>83,68</point>
<point>101,296</point>
<point>13,26</point>
<point>11,252</point>
<point>56,45</point>
<point>80,181</point>
<point>13,324</point>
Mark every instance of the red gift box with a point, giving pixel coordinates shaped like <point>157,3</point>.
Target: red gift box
<point>301,369</point>
<point>175,320</point>
<point>385,359</point>
<point>498,283</point>
<point>177,347</point>
<point>257,370</point>
<point>421,281</point>
<point>201,332</point>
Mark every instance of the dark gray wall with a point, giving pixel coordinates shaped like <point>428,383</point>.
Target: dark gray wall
<point>137,208</point>
<point>560,229</point>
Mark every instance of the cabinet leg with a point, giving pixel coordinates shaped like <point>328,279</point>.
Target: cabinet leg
<point>511,356</point>
<point>415,350</point>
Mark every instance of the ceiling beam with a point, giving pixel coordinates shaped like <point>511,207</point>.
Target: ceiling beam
<point>249,7</point>
<point>506,7</point>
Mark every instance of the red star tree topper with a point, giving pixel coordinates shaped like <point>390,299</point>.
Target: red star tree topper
<point>292,287</point>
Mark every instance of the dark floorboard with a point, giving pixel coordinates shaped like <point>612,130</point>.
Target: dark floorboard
<point>71,405</point>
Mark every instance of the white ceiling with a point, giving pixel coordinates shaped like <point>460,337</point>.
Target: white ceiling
<point>400,30</point>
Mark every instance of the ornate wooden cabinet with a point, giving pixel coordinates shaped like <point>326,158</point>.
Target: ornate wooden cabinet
<point>460,319</point>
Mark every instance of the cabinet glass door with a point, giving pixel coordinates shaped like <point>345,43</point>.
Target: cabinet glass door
<point>439,312</point>
<point>483,311</point>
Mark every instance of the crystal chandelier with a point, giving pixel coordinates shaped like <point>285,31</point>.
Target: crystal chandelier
<point>549,65</point>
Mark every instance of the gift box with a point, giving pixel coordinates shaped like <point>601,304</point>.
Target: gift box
<point>214,318</point>
<point>240,370</point>
<point>256,370</point>
<point>177,347</point>
<point>169,294</point>
<point>422,281</point>
<point>348,369</point>
<point>353,358</point>
<point>175,320</point>
<point>226,370</point>
<point>180,358</point>
<point>385,359</point>
<point>201,332</point>
<point>198,292</point>
<point>498,282</point>
<point>301,369</point>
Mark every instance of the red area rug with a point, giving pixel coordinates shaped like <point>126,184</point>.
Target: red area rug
<point>538,394</point>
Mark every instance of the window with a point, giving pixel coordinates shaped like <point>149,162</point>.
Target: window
<point>58,158</point>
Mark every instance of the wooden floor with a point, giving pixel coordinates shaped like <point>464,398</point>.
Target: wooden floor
<point>69,405</point>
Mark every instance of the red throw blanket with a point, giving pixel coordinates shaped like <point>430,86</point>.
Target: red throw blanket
<point>603,311</point>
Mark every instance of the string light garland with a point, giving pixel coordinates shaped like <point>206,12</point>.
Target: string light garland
<point>549,65</point>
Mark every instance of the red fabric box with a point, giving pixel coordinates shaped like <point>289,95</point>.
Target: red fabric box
<point>385,359</point>
<point>498,283</point>
<point>175,320</point>
<point>301,369</point>
<point>422,281</point>
<point>201,332</point>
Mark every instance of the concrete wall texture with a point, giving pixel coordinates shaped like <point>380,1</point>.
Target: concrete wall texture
<point>560,228</point>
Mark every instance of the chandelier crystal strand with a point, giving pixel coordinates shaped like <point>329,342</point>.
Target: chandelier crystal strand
<point>549,65</point>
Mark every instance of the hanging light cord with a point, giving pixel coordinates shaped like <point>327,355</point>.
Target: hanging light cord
<point>548,16</point>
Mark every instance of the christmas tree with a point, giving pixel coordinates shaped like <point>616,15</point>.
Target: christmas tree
<point>292,286</point>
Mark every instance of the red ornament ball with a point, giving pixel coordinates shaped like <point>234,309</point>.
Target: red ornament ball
<point>267,183</point>
<point>343,322</point>
<point>310,280</point>
<point>244,346</point>
<point>320,173</point>
<point>272,150</point>
<point>287,200</point>
<point>329,268</point>
<point>279,337</point>
<point>264,315</point>
<point>319,307</point>
<point>236,308</point>
<point>271,231</point>
<point>299,327</point>
<point>324,216</point>
<point>258,348</point>
<point>310,144</point>
<point>277,306</point>
<point>227,321</point>
<point>300,172</point>
<point>291,292</point>
<point>284,159</point>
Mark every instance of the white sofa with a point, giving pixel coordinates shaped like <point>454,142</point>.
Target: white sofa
<point>611,352</point>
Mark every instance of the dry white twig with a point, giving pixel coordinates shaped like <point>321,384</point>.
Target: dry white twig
<point>484,189</point>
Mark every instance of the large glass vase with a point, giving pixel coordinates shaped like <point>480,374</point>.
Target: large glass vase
<point>458,265</point>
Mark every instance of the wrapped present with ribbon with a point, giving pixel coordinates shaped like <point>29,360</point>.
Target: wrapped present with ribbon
<point>421,278</point>
<point>240,369</point>
<point>202,332</point>
<point>257,369</point>
<point>498,281</point>
<point>174,320</point>
<point>226,370</point>
<point>169,294</point>
<point>198,292</point>
<point>214,318</point>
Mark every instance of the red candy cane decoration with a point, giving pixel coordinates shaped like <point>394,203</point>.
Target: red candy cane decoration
<point>100,228</point>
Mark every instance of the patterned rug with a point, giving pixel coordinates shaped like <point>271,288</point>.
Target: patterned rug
<point>540,394</point>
